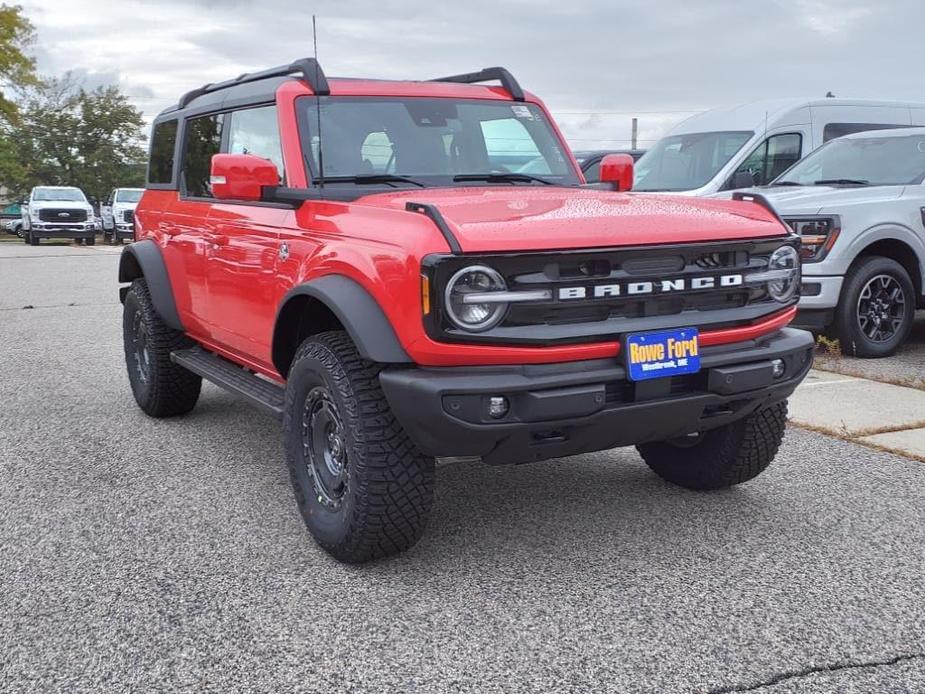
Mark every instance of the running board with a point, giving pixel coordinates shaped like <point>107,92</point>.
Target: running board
<point>264,394</point>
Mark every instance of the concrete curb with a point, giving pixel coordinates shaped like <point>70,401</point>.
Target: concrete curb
<point>873,413</point>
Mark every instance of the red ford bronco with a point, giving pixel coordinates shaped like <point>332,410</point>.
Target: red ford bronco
<point>401,271</point>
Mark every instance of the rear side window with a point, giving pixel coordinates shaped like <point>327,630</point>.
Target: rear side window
<point>509,145</point>
<point>203,139</point>
<point>163,144</point>
<point>833,130</point>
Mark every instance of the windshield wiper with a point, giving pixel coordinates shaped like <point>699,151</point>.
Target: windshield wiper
<point>363,179</point>
<point>785,183</point>
<point>841,182</point>
<point>501,178</point>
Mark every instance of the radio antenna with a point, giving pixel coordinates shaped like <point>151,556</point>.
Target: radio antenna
<point>318,108</point>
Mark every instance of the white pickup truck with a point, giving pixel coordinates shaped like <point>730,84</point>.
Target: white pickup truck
<point>58,212</point>
<point>118,214</point>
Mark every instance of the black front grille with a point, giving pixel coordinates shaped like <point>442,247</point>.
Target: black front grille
<point>50,214</point>
<point>602,294</point>
<point>128,216</point>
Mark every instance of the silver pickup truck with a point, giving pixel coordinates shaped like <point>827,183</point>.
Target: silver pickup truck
<point>858,202</point>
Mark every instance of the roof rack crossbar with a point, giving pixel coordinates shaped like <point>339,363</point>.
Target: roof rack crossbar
<point>486,75</point>
<point>309,69</point>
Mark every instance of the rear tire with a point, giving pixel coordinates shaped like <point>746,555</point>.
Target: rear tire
<point>721,457</point>
<point>161,388</point>
<point>878,297</point>
<point>362,487</point>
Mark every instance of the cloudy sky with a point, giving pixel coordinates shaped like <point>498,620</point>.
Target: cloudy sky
<point>596,63</point>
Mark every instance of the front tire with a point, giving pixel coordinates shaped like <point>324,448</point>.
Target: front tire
<point>161,388</point>
<point>32,240</point>
<point>362,487</point>
<point>90,241</point>
<point>721,457</point>
<point>876,310</point>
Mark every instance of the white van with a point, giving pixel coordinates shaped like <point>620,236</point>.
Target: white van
<point>745,146</point>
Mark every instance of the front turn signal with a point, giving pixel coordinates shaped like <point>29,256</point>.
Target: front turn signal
<point>425,294</point>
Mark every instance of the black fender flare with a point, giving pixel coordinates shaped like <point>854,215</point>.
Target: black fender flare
<point>144,259</point>
<point>359,313</point>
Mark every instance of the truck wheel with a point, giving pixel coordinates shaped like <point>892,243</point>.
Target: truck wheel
<point>876,309</point>
<point>90,241</point>
<point>161,388</point>
<point>33,240</point>
<point>721,457</point>
<point>363,488</point>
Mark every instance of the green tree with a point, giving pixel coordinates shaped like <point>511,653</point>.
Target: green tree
<point>17,69</point>
<point>70,136</point>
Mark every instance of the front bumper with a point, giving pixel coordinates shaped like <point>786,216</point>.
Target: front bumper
<point>565,409</point>
<point>63,231</point>
<point>820,292</point>
<point>124,231</point>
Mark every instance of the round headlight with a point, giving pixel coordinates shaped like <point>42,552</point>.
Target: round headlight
<point>785,263</point>
<point>463,292</point>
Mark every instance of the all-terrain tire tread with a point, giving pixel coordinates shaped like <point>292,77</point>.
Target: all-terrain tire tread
<point>173,390</point>
<point>393,482</point>
<point>727,456</point>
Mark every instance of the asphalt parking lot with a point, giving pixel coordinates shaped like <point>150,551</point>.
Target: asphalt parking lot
<point>145,555</point>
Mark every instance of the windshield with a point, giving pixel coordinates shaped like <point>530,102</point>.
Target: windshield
<point>58,194</point>
<point>128,195</point>
<point>686,162</point>
<point>876,161</point>
<point>431,141</point>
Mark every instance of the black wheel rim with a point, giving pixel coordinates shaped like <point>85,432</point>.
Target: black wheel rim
<point>140,348</point>
<point>881,308</point>
<point>325,448</point>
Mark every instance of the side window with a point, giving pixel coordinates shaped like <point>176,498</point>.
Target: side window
<point>163,143</point>
<point>833,130</point>
<point>769,159</point>
<point>783,152</point>
<point>509,146</point>
<point>203,139</point>
<point>256,131</point>
<point>593,173</point>
<point>378,154</point>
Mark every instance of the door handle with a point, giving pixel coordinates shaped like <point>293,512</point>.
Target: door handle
<point>216,239</point>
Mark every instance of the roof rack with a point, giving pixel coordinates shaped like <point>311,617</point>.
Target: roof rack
<point>486,75</point>
<point>309,68</point>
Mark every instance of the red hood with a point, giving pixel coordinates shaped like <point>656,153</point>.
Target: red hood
<point>515,218</point>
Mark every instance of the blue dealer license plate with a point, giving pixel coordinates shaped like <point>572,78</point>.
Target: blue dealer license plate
<point>661,354</point>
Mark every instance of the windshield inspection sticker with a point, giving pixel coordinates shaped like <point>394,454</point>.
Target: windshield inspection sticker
<point>522,111</point>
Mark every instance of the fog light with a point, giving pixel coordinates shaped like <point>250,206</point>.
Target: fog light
<point>778,367</point>
<point>498,406</point>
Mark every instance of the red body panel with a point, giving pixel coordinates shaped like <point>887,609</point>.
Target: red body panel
<point>229,277</point>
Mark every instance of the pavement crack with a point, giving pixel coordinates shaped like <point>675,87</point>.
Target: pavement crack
<point>796,674</point>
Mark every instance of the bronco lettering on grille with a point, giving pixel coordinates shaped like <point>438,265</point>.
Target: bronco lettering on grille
<point>604,291</point>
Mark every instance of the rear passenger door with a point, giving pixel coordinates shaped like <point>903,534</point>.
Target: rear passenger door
<point>186,221</point>
<point>242,263</point>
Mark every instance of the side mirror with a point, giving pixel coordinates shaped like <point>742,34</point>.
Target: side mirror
<point>743,179</point>
<point>617,169</point>
<point>241,176</point>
